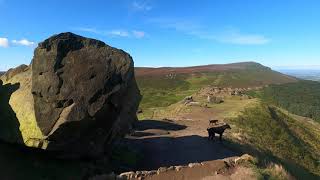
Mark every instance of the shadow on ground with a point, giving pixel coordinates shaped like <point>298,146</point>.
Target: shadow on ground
<point>169,151</point>
<point>156,124</point>
<point>161,150</point>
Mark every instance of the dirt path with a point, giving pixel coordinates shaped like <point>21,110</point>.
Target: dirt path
<point>178,136</point>
<point>171,143</point>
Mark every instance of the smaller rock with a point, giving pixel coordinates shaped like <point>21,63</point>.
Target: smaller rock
<point>244,158</point>
<point>191,165</point>
<point>138,174</point>
<point>214,99</point>
<point>161,170</point>
<point>12,72</point>
<point>151,173</point>
<point>178,168</point>
<point>188,99</point>
<point>128,175</point>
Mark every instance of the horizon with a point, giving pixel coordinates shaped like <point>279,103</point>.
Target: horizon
<point>214,33</point>
<point>276,68</point>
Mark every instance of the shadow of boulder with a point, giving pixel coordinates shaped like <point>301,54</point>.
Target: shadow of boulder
<point>9,124</point>
<point>156,124</point>
<point>172,151</point>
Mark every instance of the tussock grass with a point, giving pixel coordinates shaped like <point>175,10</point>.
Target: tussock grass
<point>275,136</point>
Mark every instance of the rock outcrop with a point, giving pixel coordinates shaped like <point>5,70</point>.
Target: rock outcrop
<point>14,71</point>
<point>83,95</point>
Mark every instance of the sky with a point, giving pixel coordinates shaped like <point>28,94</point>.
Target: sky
<point>276,33</point>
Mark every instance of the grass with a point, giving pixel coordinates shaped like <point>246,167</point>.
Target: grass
<point>301,98</point>
<point>275,136</point>
<point>19,103</point>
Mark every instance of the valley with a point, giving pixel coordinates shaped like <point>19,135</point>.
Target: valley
<point>306,74</point>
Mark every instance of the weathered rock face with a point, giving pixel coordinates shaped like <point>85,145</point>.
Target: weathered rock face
<point>77,95</point>
<point>85,93</point>
<point>14,71</point>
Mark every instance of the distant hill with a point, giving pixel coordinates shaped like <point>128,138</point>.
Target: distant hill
<point>167,85</point>
<point>2,73</point>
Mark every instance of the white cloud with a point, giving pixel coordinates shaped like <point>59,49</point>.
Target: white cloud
<point>242,39</point>
<point>138,34</point>
<point>92,30</point>
<point>186,26</point>
<point>230,35</point>
<point>115,33</point>
<point>4,42</point>
<point>141,6</point>
<point>120,33</point>
<point>23,42</point>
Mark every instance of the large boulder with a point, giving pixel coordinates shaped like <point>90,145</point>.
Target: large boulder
<point>83,95</point>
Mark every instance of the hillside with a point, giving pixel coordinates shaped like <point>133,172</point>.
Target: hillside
<point>271,134</point>
<point>301,98</point>
<point>164,86</point>
<point>274,135</point>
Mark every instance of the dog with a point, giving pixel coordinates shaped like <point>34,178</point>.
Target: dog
<point>212,131</point>
<point>213,122</point>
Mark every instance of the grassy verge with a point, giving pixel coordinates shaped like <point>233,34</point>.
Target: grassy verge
<point>274,136</point>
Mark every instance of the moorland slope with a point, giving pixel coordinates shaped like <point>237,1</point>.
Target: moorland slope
<point>164,86</point>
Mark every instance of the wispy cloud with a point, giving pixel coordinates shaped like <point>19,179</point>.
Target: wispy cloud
<point>138,34</point>
<point>91,30</point>
<point>230,35</point>
<point>235,37</point>
<point>4,42</point>
<point>23,42</point>
<point>186,26</point>
<point>141,6</point>
<point>119,33</point>
<point>115,33</point>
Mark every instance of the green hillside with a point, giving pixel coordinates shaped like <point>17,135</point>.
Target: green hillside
<point>276,136</point>
<point>301,98</point>
<point>164,86</point>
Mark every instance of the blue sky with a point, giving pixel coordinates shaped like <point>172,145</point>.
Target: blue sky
<point>276,33</point>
